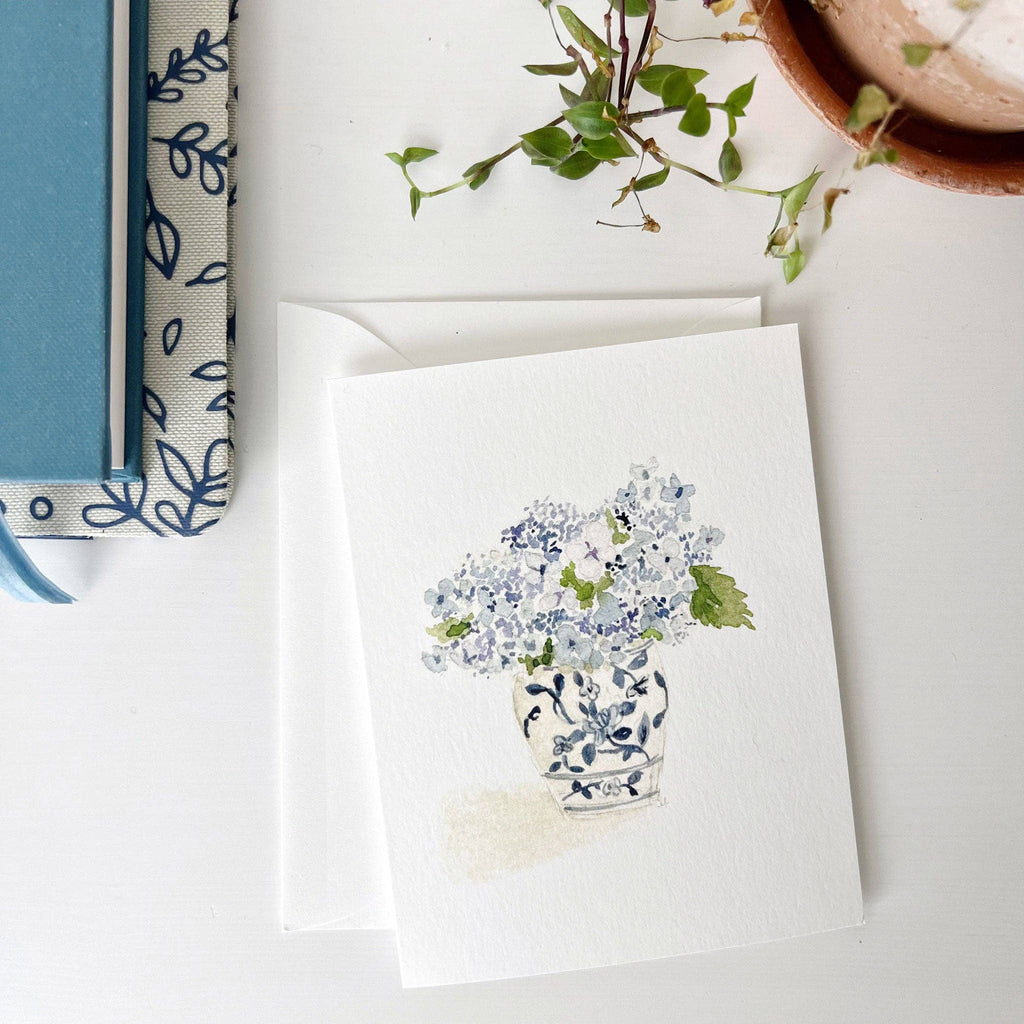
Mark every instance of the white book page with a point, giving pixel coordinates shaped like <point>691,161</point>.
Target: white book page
<point>121,47</point>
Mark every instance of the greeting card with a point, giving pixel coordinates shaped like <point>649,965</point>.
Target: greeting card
<point>599,655</point>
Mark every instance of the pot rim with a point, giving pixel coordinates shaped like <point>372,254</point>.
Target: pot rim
<point>982,163</point>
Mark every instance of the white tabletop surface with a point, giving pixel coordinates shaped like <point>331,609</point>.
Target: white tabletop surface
<point>138,729</point>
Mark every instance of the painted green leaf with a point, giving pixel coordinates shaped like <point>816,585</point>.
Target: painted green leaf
<point>577,166</point>
<point>568,68</point>
<point>547,143</point>
<point>396,158</point>
<point>871,105</point>
<point>480,179</point>
<point>916,54</point>
<point>729,163</point>
<point>794,197</point>
<point>653,78</point>
<point>697,119</point>
<point>450,629</point>
<point>415,198</point>
<point>653,180</point>
<point>619,536</point>
<point>592,118</point>
<point>585,36</point>
<point>585,590</point>
<point>716,601</point>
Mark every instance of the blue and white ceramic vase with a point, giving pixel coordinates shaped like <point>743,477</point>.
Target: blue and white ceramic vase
<point>597,736</point>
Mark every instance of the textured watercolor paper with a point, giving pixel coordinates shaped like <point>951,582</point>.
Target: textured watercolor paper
<point>334,861</point>
<point>568,780</point>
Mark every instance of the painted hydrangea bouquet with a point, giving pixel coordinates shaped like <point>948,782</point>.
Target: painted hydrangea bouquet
<point>576,604</point>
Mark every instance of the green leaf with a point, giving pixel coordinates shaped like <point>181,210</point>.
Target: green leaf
<point>634,8</point>
<point>716,601</point>
<point>794,197</point>
<point>569,98</point>
<point>568,68</point>
<point>591,118</point>
<point>876,156</point>
<point>480,179</point>
<point>415,198</point>
<point>650,633</point>
<point>597,85</point>
<point>697,119</point>
<point>546,143</point>
<point>871,105</point>
<point>649,181</point>
<point>732,123</point>
<point>736,102</point>
<point>479,173</point>
<point>475,169</point>
<point>677,90</point>
<point>396,158</point>
<point>587,38</point>
<point>611,147</point>
<point>653,78</point>
<point>916,54</point>
<point>577,166</point>
<point>792,265</point>
<point>729,163</point>
<point>415,154</point>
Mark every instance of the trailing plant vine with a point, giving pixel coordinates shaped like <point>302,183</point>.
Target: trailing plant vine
<point>604,123</point>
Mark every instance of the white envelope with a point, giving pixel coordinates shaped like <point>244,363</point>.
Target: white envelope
<point>334,860</point>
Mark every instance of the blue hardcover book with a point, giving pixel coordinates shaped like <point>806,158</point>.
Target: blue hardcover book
<point>72,238</point>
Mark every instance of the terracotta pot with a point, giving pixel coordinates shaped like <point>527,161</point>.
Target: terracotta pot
<point>805,48</point>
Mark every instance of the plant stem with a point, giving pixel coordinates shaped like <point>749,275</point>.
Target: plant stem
<point>656,112</point>
<point>665,161</point>
<point>652,9</point>
<point>734,38</point>
<point>624,47</point>
<point>493,162</point>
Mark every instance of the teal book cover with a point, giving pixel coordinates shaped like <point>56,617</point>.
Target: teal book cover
<point>62,90</point>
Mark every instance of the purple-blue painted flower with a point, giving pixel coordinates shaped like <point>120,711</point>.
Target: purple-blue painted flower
<point>708,537</point>
<point>679,495</point>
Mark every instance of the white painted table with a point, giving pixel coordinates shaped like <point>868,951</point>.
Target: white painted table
<point>138,729</point>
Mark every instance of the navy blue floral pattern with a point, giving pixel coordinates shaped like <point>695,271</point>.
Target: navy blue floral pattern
<point>597,737</point>
<point>189,396</point>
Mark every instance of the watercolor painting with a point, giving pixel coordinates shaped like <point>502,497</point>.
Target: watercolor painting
<point>573,607</point>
